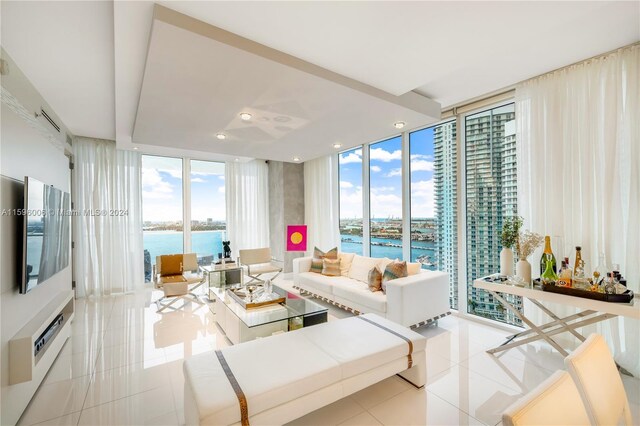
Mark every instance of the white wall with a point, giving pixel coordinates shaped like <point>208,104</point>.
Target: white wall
<point>24,151</point>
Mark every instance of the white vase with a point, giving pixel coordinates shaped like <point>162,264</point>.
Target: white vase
<point>523,271</point>
<point>506,261</point>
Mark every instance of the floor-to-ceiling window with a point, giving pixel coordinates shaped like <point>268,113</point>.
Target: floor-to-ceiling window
<point>162,212</point>
<point>208,211</point>
<point>490,197</point>
<point>433,167</point>
<point>385,195</point>
<point>351,207</point>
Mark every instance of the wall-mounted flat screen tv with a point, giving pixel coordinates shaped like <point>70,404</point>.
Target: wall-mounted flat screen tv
<point>46,233</point>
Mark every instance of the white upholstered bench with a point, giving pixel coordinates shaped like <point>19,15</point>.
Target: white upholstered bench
<point>280,378</point>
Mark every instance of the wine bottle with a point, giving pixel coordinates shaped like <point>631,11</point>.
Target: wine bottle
<point>549,276</point>
<point>578,267</point>
<point>547,254</point>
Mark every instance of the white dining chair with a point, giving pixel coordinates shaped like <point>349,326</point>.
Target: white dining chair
<point>599,383</point>
<point>556,401</point>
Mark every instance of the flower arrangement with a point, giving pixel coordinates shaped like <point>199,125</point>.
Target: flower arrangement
<point>510,230</point>
<point>526,243</point>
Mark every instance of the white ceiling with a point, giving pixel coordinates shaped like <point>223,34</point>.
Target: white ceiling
<point>66,50</point>
<point>196,84</point>
<point>449,51</point>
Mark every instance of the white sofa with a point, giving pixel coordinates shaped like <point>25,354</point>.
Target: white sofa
<point>412,301</point>
<point>286,376</point>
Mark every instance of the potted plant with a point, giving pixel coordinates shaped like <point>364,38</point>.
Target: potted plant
<point>526,244</point>
<point>510,229</point>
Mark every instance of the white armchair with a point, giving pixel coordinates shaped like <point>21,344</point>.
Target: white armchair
<point>259,262</point>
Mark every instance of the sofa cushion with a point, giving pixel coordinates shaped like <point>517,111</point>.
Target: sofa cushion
<point>311,281</point>
<point>361,266</point>
<point>359,293</point>
<point>382,263</point>
<point>345,263</point>
<point>331,267</point>
<point>375,279</point>
<point>318,255</point>
<point>413,268</point>
<point>394,270</point>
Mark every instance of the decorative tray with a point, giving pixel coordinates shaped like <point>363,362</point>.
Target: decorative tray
<point>626,297</point>
<point>258,300</point>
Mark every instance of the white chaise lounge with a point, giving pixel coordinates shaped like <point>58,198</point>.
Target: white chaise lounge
<point>283,377</point>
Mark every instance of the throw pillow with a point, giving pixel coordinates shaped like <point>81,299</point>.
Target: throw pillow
<point>171,264</point>
<point>345,263</point>
<point>382,263</point>
<point>413,268</point>
<point>393,271</point>
<point>361,266</point>
<point>331,267</point>
<point>375,279</point>
<point>318,255</point>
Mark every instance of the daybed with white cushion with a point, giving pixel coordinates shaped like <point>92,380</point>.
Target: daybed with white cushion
<point>283,377</point>
<point>412,301</point>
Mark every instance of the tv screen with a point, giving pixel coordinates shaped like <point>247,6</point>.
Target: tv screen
<point>46,233</point>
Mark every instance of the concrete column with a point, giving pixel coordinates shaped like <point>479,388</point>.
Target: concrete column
<point>286,207</point>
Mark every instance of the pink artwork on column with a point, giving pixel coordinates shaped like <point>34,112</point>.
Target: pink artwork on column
<point>296,237</point>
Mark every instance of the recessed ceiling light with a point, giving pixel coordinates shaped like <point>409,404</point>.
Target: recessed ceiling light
<point>399,124</point>
<point>337,145</point>
<point>245,116</point>
<point>237,159</point>
<point>296,159</point>
<point>135,147</point>
<point>221,136</point>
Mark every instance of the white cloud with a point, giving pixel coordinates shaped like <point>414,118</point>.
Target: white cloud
<point>421,157</point>
<point>421,166</point>
<point>376,169</point>
<point>380,154</point>
<point>394,172</point>
<point>221,177</point>
<point>153,186</point>
<point>351,157</point>
<point>173,173</point>
<point>198,180</point>
<point>221,189</point>
<point>379,189</point>
<point>345,184</point>
<point>423,198</point>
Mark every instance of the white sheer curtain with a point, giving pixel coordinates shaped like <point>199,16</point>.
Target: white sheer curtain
<point>108,229</point>
<point>321,208</point>
<point>247,197</point>
<point>578,133</point>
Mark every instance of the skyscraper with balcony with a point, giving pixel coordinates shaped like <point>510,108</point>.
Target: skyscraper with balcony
<point>445,178</point>
<point>491,197</point>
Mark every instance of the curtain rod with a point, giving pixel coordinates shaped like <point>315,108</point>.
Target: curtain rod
<point>500,93</point>
<point>584,61</point>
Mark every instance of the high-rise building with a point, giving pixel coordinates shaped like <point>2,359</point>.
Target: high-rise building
<point>491,197</point>
<point>445,178</point>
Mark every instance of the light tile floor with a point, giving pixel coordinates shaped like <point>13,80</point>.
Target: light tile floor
<point>123,366</point>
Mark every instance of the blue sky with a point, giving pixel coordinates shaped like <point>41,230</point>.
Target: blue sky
<point>386,178</point>
<point>162,189</point>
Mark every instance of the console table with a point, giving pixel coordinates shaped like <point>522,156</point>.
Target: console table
<point>592,311</point>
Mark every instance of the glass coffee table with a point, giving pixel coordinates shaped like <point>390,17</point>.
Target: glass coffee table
<point>241,325</point>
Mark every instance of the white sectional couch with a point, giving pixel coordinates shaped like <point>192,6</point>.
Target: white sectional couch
<point>410,301</point>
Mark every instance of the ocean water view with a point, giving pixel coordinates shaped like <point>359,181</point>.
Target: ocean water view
<point>203,243</point>
<point>424,251</point>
